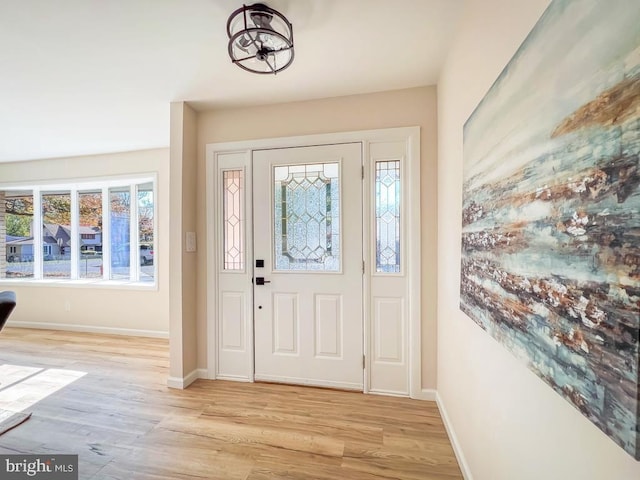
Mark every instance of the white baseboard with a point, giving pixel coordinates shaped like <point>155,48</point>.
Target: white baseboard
<point>457,449</point>
<point>182,383</point>
<point>190,378</point>
<point>89,329</point>
<point>428,394</point>
<point>175,382</point>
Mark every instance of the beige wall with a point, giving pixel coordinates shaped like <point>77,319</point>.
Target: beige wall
<point>99,307</point>
<point>189,259</point>
<point>182,278</point>
<point>399,108</point>
<point>509,423</point>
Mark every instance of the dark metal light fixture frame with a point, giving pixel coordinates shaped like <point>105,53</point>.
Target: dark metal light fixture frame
<point>255,44</point>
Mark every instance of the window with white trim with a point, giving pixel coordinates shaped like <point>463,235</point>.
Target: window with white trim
<point>87,231</point>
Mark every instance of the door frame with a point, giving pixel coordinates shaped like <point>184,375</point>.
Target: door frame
<point>372,141</point>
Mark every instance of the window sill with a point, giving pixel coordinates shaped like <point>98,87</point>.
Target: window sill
<point>82,283</point>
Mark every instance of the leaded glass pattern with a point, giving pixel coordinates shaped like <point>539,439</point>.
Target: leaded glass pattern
<point>307,217</point>
<point>233,219</point>
<point>387,186</point>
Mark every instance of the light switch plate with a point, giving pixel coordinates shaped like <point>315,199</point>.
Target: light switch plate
<point>191,242</point>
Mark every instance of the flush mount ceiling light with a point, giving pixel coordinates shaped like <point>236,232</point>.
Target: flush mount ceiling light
<point>260,39</point>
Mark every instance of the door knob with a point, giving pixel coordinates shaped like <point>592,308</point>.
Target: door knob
<point>261,281</point>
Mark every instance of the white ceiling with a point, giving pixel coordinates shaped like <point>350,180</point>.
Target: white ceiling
<point>93,76</point>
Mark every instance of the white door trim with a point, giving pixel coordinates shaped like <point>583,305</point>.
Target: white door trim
<point>410,136</point>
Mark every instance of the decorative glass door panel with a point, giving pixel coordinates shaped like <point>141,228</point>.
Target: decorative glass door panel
<point>306,217</point>
<point>388,195</point>
<point>233,215</point>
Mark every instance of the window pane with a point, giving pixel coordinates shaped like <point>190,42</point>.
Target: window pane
<point>388,216</point>
<point>307,217</point>
<point>120,242</point>
<point>16,234</point>
<point>233,219</point>
<point>145,232</point>
<point>56,235</point>
<point>90,234</point>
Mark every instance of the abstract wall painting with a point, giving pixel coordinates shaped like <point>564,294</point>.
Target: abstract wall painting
<point>551,210</point>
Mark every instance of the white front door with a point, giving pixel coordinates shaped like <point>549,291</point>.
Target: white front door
<point>307,213</point>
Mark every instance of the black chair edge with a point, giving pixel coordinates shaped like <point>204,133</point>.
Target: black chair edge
<point>7,304</point>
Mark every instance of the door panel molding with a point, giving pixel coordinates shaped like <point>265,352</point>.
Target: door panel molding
<point>388,325</point>
<point>328,338</point>
<point>286,324</point>
<point>383,377</point>
<point>233,320</point>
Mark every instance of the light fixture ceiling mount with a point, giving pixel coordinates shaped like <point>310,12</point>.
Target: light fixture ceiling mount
<point>260,39</point>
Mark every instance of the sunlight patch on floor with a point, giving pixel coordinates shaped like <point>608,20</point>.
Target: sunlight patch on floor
<point>34,385</point>
<point>10,374</point>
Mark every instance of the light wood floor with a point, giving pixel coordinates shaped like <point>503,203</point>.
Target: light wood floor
<point>126,424</point>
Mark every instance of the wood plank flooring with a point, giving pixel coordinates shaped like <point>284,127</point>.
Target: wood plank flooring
<point>124,423</point>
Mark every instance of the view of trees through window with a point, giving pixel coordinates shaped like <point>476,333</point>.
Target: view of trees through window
<point>18,254</point>
<point>58,260</point>
<point>56,234</point>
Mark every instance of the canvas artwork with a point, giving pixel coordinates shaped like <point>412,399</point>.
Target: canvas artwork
<point>551,210</point>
